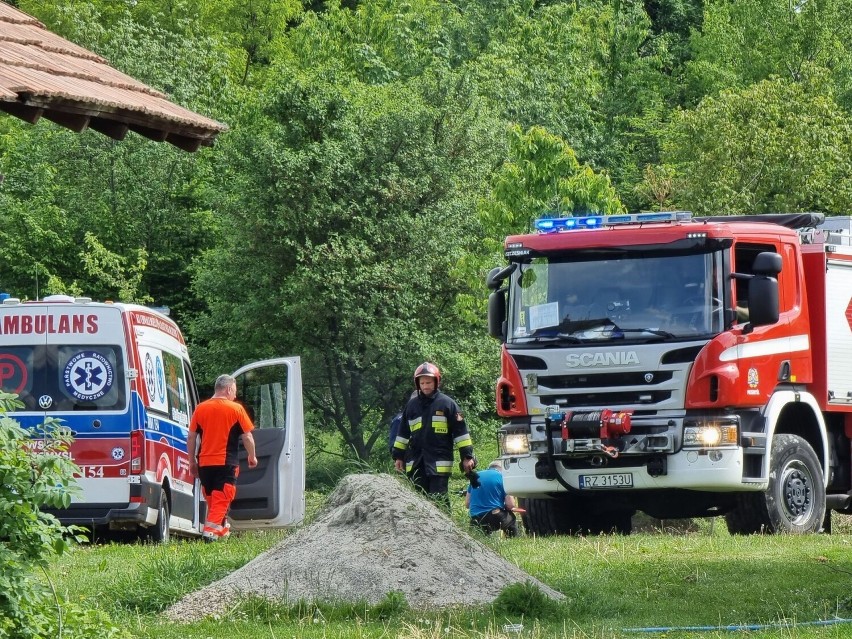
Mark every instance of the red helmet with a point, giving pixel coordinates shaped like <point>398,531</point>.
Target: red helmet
<point>427,369</point>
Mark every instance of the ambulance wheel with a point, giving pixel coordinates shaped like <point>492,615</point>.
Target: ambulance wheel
<point>794,502</point>
<point>159,532</point>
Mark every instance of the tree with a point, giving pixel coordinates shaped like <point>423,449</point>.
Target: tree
<point>543,177</point>
<point>777,146</point>
<point>343,237</point>
<point>588,73</point>
<point>744,42</point>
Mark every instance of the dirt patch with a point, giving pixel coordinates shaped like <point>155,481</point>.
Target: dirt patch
<point>373,536</point>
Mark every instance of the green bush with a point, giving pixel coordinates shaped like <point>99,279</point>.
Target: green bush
<point>35,473</point>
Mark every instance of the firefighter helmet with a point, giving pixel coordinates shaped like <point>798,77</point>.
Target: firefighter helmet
<point>427,369</point>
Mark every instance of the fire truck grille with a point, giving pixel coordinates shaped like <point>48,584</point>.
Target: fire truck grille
<point>615,399</point>
<point>604,380</point>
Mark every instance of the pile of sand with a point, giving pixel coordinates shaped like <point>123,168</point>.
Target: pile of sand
<point>373,536</point>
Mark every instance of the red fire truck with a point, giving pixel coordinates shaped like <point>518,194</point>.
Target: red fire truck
<point>678,366</point>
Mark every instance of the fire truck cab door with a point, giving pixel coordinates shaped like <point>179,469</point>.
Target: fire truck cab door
<point>272,495</point>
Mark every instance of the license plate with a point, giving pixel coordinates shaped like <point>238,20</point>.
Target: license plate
<point>608,480</point>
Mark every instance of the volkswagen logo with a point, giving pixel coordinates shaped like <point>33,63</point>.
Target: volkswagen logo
<point>45,401</point>
<point>649,377</point>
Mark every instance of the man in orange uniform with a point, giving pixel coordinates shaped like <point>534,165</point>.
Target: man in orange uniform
<point>221,423</point>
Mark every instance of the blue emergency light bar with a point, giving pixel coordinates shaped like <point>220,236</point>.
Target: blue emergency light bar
<point>561,224</point>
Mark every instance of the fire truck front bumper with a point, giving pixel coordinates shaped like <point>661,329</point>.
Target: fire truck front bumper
<point>716,470</point>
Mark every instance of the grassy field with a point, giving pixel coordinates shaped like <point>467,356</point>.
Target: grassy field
<point>649,584</point>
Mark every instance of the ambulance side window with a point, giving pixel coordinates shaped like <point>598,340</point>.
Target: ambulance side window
<point>177,391</point>
<point>191,386</point>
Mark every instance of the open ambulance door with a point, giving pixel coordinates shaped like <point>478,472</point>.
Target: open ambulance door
<point>272,494</point>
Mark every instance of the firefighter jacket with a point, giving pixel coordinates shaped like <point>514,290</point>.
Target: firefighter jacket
<point>432,426</point>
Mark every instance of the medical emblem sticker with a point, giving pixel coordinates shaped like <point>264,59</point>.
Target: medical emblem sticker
<point>88,376</point>
<point>150,382</point>
<point>161,381</point>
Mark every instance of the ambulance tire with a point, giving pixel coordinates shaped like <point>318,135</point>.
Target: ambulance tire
<point>793,503</point>
<point>159,532</point>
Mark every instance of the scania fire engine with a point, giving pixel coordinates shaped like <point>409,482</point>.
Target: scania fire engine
<point>679,366</point>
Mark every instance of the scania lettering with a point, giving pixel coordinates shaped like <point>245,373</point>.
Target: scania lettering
<point>601,359</point>
<point>119,377</point>
<point>679,366</point>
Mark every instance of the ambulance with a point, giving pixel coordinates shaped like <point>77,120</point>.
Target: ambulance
<point>119,377</point>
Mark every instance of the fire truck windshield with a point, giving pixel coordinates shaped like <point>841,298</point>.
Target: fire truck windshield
<point>625,297</point>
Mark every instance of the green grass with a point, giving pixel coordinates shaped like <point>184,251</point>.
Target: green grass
<point>611,583</point>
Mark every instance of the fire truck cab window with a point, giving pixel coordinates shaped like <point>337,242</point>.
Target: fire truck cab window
<point>744,256</point>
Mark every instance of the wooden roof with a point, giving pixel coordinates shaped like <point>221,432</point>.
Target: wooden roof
<point>43,75</point>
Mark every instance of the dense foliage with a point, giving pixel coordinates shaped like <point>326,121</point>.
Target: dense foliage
<point>379,150</point>
<point>31,477</point>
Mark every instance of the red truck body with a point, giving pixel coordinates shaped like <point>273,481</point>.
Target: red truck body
<point>683,367</point>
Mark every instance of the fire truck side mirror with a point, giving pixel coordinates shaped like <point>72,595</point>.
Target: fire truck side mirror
<point>767,263</point>
<point>497,314</point>
<point>496,275</point>
<point>763,305</point>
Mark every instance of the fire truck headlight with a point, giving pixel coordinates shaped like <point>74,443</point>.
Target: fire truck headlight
<point>514,444</point>
<point>711,434</point>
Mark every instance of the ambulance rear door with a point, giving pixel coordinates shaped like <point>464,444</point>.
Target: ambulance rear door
<point>272,494</point>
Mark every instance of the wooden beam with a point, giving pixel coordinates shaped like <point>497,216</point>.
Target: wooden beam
<point>74,121</point>
<point>158,135</point>
<point>26,113</point>
<point>185,143</point>
<point>110,128</point>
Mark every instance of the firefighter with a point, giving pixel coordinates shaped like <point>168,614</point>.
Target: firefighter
<point>221,423</point>
<point>432,426</point>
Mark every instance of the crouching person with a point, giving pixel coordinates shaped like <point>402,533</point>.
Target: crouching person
<point>489,506</point>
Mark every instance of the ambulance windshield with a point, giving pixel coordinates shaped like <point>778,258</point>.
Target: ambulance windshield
<point>601,297</point>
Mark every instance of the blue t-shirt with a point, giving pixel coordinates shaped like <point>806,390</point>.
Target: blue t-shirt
<point>489,495</point>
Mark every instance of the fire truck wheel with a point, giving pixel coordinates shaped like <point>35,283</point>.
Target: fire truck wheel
<point>159,532</point>
<point>794,502</point>
<point>545,517</point>
<point>566,515</point>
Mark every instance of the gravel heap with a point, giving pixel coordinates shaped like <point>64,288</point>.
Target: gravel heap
<point>374,535</point>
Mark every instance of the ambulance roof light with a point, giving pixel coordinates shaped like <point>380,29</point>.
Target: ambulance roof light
<point>562,224</point>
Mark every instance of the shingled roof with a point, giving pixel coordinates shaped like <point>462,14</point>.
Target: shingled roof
<point>43,75</point>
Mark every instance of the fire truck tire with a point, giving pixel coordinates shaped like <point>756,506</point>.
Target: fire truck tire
<point>568,516</point>
<point>546,517</point>
<point>794,502</point>
<point>159,532</point>
<point>613,522</point>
